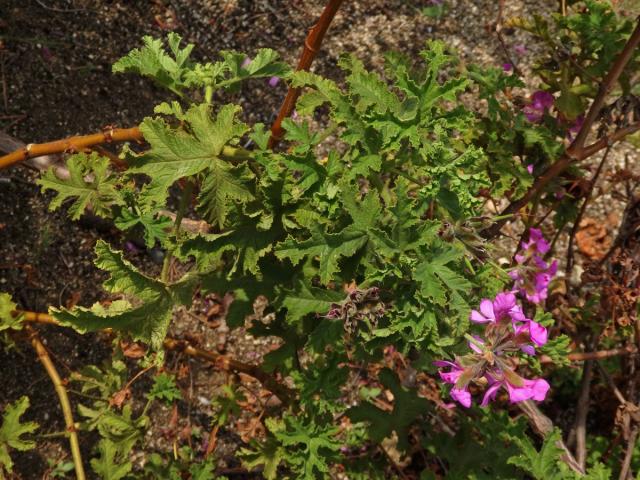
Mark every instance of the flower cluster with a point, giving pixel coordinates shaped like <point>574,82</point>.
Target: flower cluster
<point>532,274</point>
<point>507,332</point>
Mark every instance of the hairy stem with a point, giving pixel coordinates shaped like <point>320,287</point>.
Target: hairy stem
<point>48,365</point>
<point>185,200</point>
<point>81,142</point>
<point>311,46</point>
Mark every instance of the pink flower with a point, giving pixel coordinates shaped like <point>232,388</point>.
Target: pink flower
<point>530,331</point>
<point>462,396</point>
<point>460,393</point>
<point>246,62</point>
<point>451,376</point>
<point>520,49</point>
<point>537,242</point>
<point>273,81</point>
<point>531,389</point>
<point>530,168</point>
<point>507,67</point>
<point>541,101</point>
<point>504,305</point>
<point>526,390</point>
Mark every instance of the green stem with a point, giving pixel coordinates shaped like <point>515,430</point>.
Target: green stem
<point>182,208</point>
<point>408,177</point>
<point>481,346</point>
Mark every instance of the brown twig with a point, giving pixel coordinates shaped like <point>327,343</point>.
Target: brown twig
<point>48,365</point>
<point>221,361</point>
<point>599,355</point>
<point>71,144</point>
<point>311,47</point>
<point>226,363</point>
<point>583,208</point>
<point>555,170</point>
<point>579,432</point>
<point>625,470</point>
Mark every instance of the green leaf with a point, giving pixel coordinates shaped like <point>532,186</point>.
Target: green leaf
<point>222,185</point>
<point>90,184</point>
<point>543,464</point>
<point>246,240</point>
<point>108,464</point>
<point>164,388</point>
<point>152,61</point>
<point>7,320</point>
<point>12,430</point>
<point>406,409</point>
<point>149,321</point>
<point>264,64</point>
<point>313,444</point>
<point>371,91</point>
<point>300,133</point>
<point>329,247</point>
<point>268,454</point>
<point>305,299</point>
<point>436,278</point>
<point>569,104</point>
<point>366,213</point>
<point>193,147</point>
<point>155,225</point>
<point>203,471</point>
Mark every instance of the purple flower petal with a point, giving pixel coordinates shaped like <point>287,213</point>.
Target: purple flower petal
<point>490,394</point>
<point>538,333</point>
<point>462,396</point>
<point>246,62</point>
<point>530,168</point>
<point>486,307</point>
<point>528,349</point>
<point>477,317</point>
<point>520,49</point>
<point>273,81</point>
<point>507,67</point>
<point>542,100</point>
<point>539,389</point>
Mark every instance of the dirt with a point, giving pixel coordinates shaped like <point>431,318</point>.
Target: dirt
<point>56,81</point>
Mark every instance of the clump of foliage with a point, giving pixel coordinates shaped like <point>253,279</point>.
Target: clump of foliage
<point>367,236</point>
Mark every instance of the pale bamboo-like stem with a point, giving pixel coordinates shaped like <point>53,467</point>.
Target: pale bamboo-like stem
<point>82,142</point>
<point>48,365</point>
<point>71,144</point>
